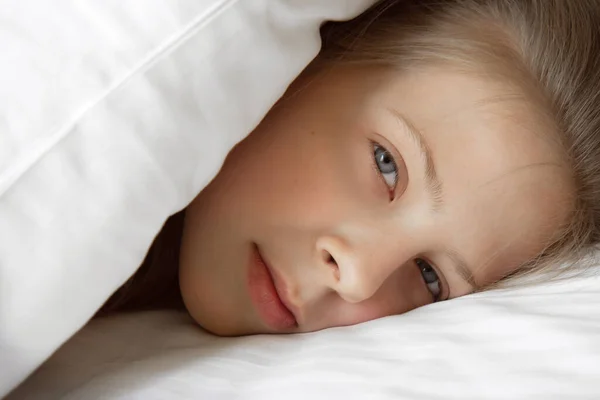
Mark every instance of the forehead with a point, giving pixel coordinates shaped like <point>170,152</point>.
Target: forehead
<point>505,186</point>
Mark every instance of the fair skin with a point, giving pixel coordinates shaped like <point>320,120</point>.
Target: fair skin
<point>334,191</point>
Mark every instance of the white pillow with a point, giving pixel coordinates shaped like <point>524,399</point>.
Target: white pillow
<point>113,115</point>
<point>537,343</point>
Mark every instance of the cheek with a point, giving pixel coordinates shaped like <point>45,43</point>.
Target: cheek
<point>304,179</point>
<point>403,291</point>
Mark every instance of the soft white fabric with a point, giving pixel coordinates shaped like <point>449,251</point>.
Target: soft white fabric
<point>537,343</point>
<point>113,115</point>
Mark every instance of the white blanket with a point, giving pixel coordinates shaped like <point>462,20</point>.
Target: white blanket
<point>536,343</point>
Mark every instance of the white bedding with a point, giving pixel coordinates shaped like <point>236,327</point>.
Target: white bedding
<point>535,343</point>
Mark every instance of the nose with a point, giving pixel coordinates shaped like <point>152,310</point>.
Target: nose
<point>354,270</point>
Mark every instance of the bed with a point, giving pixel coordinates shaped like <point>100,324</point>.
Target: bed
<point>534,343</point>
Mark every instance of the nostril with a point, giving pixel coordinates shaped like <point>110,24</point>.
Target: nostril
<point>329,260</point>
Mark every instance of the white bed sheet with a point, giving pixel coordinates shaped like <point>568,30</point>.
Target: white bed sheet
<point>535,343</point>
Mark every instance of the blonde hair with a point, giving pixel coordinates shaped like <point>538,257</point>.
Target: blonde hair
<point>550,49</point>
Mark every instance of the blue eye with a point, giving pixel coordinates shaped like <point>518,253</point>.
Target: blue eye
<point>430,277</point>
<point>386,165</point>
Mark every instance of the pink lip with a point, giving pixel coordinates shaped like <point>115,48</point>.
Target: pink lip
<point>264,293</point>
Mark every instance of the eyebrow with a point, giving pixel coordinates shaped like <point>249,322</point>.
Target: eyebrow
<point>434,188</point>
<point>433,182</point>
<point>463,269</point>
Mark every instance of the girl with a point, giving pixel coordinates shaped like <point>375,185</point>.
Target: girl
<point>433,149</point>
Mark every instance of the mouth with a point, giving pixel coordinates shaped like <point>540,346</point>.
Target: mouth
<point>267,295</point>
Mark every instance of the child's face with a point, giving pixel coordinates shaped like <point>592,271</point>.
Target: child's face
<point>370,193</point>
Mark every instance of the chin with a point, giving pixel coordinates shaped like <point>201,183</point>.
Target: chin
<point>215,324</point>
<point>219,328</point>
<point>213,317</point>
